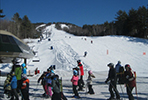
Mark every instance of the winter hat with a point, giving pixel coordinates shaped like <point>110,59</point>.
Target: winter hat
<point>111,65</point>
<point>23,65</point>
<point>75,72</point>
<point>89,72</point>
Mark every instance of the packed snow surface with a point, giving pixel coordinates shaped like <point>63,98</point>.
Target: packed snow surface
<point>101,50</point>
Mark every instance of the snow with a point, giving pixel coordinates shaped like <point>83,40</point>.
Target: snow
<point>67,49</point>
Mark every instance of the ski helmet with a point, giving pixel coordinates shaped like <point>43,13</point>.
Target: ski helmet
<point>23,65</point>
<point>78,61</point>
<point>127,66</point>
<point>89,72</point>
<point>75,72</point>
<point>111,65</point>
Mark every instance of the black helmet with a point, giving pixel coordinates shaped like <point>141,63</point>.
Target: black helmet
<point>78,61</point>
<point>111,65</point>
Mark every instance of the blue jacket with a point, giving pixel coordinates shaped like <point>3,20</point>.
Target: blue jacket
<point>13,82</point>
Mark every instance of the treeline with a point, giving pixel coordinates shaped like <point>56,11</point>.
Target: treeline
<point>134,23</point>
<point>20,27</point>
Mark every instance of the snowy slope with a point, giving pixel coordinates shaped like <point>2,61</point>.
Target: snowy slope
<point>67,49</point>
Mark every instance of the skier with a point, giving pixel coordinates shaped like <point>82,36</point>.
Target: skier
<point>85,53</point>
<point>130,81</point>
<point>16,68</point>
<point>89,82</point>
<point>42,78</point>
<point>74,81</point>
<point>55,88</point>
<point>112,84</point>
<point>25,88</point>
<point>80,82</point>
<point>14,87</point>
<point>24,69</point>
<point>117,67</point>
<point>7,86</point>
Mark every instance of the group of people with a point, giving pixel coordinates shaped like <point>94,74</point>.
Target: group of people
<point>77,80</point>
<point>128,77</point>
<point>17,82</point>
<point>52,85</point>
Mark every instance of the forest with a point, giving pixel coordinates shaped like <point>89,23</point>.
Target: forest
<point>134,23</point>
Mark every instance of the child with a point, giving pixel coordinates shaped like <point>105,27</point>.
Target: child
<point>89,82</point>
<point>74,81</point>
<point>7,86</point>
<point>14,87</point>
<point>25,88</point>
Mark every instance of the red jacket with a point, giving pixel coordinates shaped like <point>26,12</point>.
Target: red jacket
<point>25,84</point>
<point>81,68</point>
<point>130,78</point>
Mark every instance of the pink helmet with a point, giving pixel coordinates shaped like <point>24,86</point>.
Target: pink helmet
<point>89,72</point>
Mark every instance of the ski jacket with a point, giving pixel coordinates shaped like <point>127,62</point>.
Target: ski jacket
<point>24,70</point>
<point>74,79</point>
<point>112,75</point>
<point>18,71</point>
<point>13,82</point>
<point>55,85</point>
<point>81,68</point>
<point>130,78</point>
<point>48,78</point>
<point>25,84</point>
<point>89,79</point>
<point>117,67</point>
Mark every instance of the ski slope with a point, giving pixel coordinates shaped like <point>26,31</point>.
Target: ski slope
<point>67,49</point>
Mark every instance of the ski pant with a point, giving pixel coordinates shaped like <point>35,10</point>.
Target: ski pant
<point>56,96</point>
<point>81,83</point>
<point>75,90</point>
<point>112,89</point>
<point>90,89</point>
<point>14,94</point>
<point>25,94</point>
<point>48,89</point>
<point>19,86</point>
<point>63,96</point>
<point>129,92</point>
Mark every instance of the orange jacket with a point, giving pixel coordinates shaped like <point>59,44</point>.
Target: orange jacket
<point>25,84</point>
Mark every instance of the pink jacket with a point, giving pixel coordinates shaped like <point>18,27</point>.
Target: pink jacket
<point>74,80</point>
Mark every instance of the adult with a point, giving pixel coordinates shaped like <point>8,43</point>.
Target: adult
<point>130,81</point>
<point>16,68</point>
<point>80,82</point>
<point>112,84</point>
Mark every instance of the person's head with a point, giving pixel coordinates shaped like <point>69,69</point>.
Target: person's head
<point>75,72</point>
<point>78,61</point>
<point>16,60</point>
<point>13,74</point>
<point>89,72</point>
<point>119,62</point>
<point>127,67</point>
<point>110,65</point>
<point>23,65</point>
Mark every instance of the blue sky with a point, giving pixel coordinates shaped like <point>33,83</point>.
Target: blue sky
<point>78,12</point>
